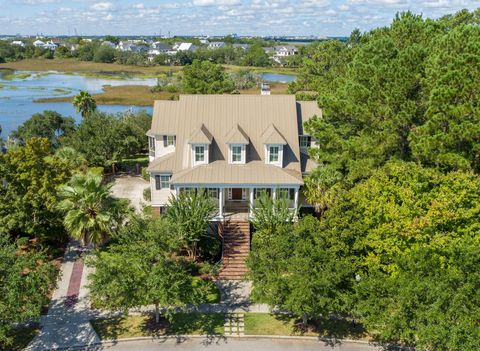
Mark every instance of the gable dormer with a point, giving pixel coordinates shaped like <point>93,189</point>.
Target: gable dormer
<point>274,143</point>
<point>200,142</point>
<point>237,141</point>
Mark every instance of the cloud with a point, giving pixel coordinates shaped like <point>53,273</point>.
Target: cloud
<point>102,6</point>
<point>216,2</point>
<point>38,2</point>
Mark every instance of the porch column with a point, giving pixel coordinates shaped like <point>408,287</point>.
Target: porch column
<point>220,202</point>
<point>295,202</point>
<point>274,194</point>
<point>252,204</point>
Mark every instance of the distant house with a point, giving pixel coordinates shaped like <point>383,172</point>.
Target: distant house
<point>241,46</point>
<point>50,46</point>
<point>38,44</point>
<point>138,47</point>
<point>216,45</point>
<point>286,50</point>
<point>19,43</point>
<point>109,44</point>
<point>184,47</point>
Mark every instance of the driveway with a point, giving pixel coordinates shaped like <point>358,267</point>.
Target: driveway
<point>131,187</point>
<point>223,344</point>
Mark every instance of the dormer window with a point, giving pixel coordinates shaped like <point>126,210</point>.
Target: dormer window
<point>273,153</point>
<point>199,154</point>
<point>237,153</point>
<point>169,140</point>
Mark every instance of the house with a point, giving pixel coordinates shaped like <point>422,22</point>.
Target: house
<point>285,50</point>
<point>184,47</point>
<point>38,44</point>
<point>19,43</point>
<point>241,46</point>
<point>50,46</point>
<point>109,44</point>
<point>216,45</point>
<point>235,148</point>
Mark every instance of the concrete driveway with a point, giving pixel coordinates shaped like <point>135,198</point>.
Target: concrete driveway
<point>131,187</point>
<point>231,344</point>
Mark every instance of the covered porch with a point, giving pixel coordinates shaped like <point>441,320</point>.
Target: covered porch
<point>238,201</point>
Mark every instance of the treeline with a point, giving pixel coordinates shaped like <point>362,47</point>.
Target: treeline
<point>94,51</point>
<point>397,188</point>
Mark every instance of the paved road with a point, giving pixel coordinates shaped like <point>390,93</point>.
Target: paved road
<point>235,345</point>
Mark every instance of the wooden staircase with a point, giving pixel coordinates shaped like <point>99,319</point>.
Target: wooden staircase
<point>236,246</point>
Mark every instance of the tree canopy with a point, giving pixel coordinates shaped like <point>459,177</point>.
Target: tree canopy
<point>203,77</point>
<point>48,124</point>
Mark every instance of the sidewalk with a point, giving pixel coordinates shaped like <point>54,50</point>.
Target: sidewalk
<point>67,323</point>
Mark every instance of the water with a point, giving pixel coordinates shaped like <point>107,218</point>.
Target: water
<point>277,77</point>
<point>17,95</point>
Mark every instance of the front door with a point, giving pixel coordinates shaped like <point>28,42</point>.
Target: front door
<point>237,193</point>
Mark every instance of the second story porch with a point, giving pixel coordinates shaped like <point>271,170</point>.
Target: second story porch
<point>238,201</point>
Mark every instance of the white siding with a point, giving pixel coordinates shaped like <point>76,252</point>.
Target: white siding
<point>159,197</point>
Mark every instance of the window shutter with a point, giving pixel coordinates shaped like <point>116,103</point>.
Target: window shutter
<point>174,140</point>
<point>157,182</point>
<point>164,141</point>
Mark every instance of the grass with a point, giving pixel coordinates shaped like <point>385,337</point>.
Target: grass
<point>89,68</point>
<point>21,338</point>
<point>180,324</point>
<point>141,95</point>
<point>268,324</point>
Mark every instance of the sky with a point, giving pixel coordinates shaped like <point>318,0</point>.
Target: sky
<point>211,17</point>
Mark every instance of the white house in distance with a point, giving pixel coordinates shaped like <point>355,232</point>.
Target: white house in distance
<point>216,45</point>
<point>234,147</point>
<point>38,44</point>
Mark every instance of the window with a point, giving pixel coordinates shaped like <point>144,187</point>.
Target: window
<point>213,192</point>
<point>162,182</point>
<point>169,140</point>
<point>305,141</point>
<point>237,154</point>
<point>273,154</point>
<point>151,145</point>
<point>260,191</point>
<point>199,153</point>
<point>285,193</point>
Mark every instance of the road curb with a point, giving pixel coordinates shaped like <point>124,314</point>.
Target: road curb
<point>213,336</point>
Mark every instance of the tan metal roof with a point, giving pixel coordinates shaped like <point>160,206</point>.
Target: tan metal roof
<point>272,136</point>
<point>219,115</point>
<point>222,173</point>
<point>237,136</point>
<point>305,111</point>
<point>201,136</point>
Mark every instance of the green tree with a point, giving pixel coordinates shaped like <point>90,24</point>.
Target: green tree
<point>96,139</point>
<point>450,136</point>
<point>104,54</point>
<point>254,56</point>
<point>206,78</point>
<point>320,188</point>
<point>138,269</point>
<point>48,124</point>
<point>24,286</point>
<point>28,197</point>
<point>92,214</point>
<point>84,103</point>
<point>299,268</point>
<point>268,214</point>
<point>190,214</point>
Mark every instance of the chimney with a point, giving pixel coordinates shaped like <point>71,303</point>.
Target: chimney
<point>265,89</point>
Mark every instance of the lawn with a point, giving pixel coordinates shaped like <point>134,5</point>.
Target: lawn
<point>268,324</point>
<point>141,95</point>
<point>21,338</point>
<point>181,324</point>
<point>88,68</point>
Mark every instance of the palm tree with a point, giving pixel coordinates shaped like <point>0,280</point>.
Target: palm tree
<point>84,103</point>
<point>320,187</point>
<point>91,213</point>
